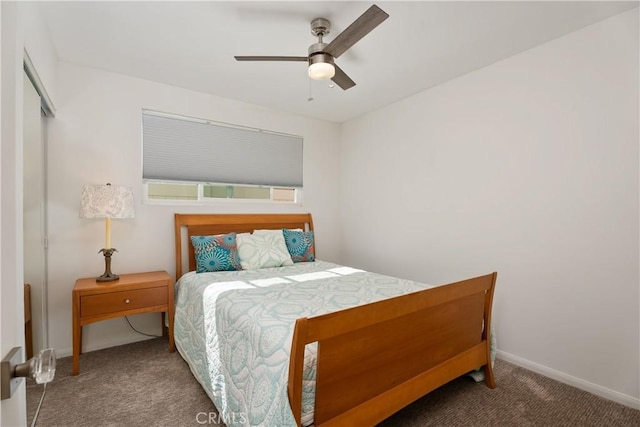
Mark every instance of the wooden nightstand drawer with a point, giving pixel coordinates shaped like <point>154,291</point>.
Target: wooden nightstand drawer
<point>112,302</point>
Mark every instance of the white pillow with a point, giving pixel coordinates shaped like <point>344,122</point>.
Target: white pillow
<point>262,250</point>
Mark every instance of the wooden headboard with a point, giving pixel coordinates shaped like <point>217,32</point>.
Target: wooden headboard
<point>211,224</point>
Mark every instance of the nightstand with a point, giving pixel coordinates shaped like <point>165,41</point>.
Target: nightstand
<point>132,294</point>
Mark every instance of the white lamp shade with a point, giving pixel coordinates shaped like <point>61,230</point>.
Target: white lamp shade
<point>321,71</point>
<point>107,201</point>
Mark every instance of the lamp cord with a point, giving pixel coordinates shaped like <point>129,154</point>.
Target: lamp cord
<point>141,333</point>
<point>35,417</point>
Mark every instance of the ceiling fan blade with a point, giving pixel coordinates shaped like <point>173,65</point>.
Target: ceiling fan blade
<point>272,58</point>
<point>359,28</point>
<point>341,79</point>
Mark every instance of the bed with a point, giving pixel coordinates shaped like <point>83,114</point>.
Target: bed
<point>315,343</point>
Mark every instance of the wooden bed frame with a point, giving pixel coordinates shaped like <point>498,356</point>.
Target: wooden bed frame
<point>374,359</point>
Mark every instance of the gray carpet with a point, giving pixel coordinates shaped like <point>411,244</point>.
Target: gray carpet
<point>142,384</point>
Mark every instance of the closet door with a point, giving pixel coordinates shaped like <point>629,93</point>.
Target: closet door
<point>34,213</point>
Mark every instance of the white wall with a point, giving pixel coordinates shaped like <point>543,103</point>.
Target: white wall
<point>528,167</point>
<point>39,47</point>
<point>96,138</point>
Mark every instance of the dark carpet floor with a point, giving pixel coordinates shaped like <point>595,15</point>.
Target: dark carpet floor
<point>142,384</point>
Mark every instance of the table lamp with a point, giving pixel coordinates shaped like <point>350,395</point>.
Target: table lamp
<point>107,201</point>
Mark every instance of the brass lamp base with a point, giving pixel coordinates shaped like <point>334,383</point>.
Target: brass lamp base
<point>107,276</point>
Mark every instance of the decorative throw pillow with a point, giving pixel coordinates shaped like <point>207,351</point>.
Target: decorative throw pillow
<point>263,250</point>
<point>216,253</point>
<point>299,245</point>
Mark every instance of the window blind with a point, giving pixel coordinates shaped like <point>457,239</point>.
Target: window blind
<point>179,149</point>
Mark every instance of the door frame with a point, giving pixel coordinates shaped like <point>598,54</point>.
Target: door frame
<point>12,62</point>
<point>34,211</point>
<point>13,410</point>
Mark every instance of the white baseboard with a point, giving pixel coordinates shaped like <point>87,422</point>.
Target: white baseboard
<point>114,343</point>
<point>587,386</point>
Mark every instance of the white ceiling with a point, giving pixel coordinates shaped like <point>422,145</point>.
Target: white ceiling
<point>421,45</point>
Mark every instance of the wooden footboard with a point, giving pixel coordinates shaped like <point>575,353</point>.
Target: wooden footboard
<point>375,359</point>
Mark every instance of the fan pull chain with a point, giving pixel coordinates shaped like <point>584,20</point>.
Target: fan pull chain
<point>310,98</point>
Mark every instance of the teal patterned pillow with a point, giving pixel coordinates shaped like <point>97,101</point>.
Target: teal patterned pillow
<point>300,245</point>
<point>216,253</point>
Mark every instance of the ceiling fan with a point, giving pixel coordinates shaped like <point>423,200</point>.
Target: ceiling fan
<point>322,55</point>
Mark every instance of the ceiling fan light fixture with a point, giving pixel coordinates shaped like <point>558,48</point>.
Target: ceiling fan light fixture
<point>321,71</point>
<point>321,64</point>
<point>322,55</point>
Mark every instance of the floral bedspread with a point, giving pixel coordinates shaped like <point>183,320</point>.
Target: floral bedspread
<point>235,329</point>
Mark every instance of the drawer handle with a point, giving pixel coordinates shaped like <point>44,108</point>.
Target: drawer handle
<point>127,301</point>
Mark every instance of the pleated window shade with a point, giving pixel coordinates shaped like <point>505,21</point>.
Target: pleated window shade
<point>180,149</point>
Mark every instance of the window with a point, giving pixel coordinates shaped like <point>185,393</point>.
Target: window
<point>207,192</point>
<point>193,160</point>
